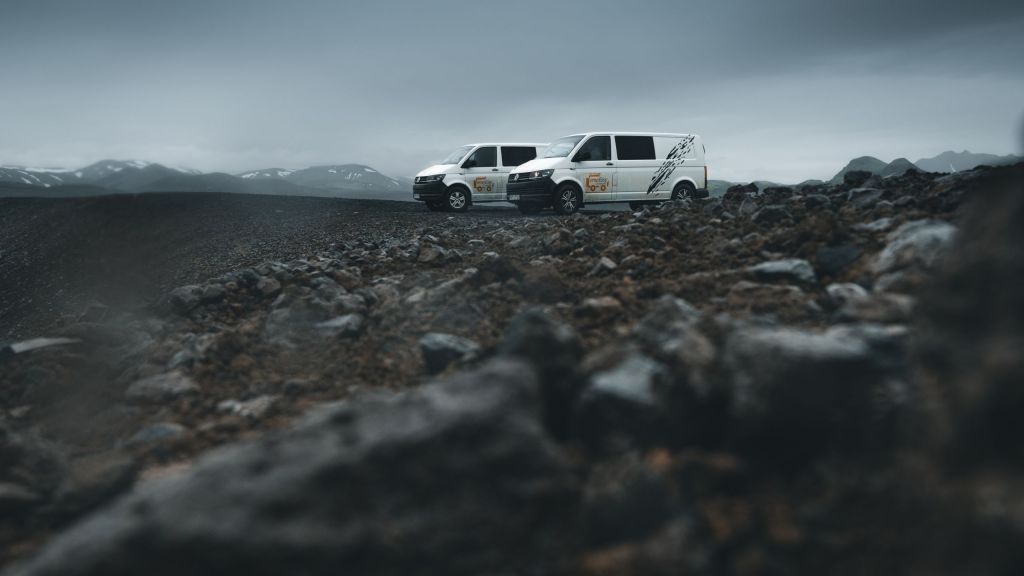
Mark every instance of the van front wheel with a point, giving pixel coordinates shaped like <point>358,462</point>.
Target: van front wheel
<point>457,199</point>
<point>567,200</point>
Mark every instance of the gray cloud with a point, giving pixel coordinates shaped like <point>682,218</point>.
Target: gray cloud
<point>783,90</point>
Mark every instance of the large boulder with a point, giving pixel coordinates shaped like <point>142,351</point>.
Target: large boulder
<point>972,329</point>
<point>912,250</point>
<point>554,350</point>
<point>625,406</point>
<point>457,477</point>
<point>796,394</point>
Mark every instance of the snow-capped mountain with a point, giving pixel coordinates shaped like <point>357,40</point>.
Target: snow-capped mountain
<point>267,173</point>
<point>340,176</point>
<point>94,173</point>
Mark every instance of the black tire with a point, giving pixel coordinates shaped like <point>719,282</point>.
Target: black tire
<point>683,190</point>
<point>457,199</point>
<point>434,206</point>
<point>530,208</point>
<point>567,199</point>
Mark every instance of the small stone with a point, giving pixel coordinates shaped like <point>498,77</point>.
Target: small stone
<point>161,387</point>
<point>842,293</point>
<point>832,260</point>
<point>440,350</point>
<point>600,305</point>
<point>863,197</point>
<point>157,433</point>
<point>255,408</point>
<point>268,286</point>
<point>185,298</point>
<point>431,253</point>
<point>771,214</point>
<point>341,326</point>
<point>791,270</point>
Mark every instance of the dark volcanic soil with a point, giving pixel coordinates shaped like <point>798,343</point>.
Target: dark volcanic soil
<point>727,384</point>
<point>57,255</point>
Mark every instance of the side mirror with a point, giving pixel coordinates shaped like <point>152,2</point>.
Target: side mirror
<point>581,156</point>
<point>469,163</point>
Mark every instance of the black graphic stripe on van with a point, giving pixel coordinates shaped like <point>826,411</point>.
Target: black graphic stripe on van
<point>675,158</point>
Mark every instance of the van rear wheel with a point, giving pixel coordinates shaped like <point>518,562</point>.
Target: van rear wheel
<point>567,200</point>
<point>457,199</point>
<point>683,190</point>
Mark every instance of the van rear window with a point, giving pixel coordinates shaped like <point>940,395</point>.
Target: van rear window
<point>516,155</point>
<point>635,147</point>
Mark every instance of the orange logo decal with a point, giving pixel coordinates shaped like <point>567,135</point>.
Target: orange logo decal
<point>595,182</point>
<point>482,184</point>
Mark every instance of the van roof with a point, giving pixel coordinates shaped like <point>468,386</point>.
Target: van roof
<point>509,144</point>
<point>617,133</point>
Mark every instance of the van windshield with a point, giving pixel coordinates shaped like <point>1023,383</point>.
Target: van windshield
<point>456,156</point>
<point>560,148</point>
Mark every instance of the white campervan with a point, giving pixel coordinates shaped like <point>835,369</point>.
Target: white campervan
<point>473,173</point>
<point>634,167</point>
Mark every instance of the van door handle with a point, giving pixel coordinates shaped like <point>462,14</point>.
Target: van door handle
<point>609,164</point>
<point>494,169</point>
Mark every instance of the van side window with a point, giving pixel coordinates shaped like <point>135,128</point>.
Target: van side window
<point>484,157</point>
<point>597,148</point>
<point>516,155</point>
<point>634,147</point>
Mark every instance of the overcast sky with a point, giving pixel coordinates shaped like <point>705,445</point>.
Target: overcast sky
<point>782,90</point>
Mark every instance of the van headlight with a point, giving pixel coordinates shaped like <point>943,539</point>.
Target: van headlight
<point>535,174</point>
<point>429,179</point>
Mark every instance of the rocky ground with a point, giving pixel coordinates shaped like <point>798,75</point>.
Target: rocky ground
<point>813,380</point>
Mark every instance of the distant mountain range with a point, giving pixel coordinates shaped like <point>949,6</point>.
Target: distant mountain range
<point>948,161</point>
<point>349,180</point>
<point>132,176</point>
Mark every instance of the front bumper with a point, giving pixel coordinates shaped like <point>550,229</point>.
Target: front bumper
<point>429,192</point>
<point>538,190</point>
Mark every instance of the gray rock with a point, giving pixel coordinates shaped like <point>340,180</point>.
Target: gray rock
<point>791,270</point>
<point>161,387</point>
<point>39,344</point>
<point>268,286</point>
<point>455,478</point>
<point>185,298</point>
<point>863,197</point>
<point>816,202</point>
<point>918,244</point>
<point>441,350</point>
<point>157,433</point>
<point>832,260</point>
<point>624,406</point>
<point>344,326</point>
<point>842,293</point>
<point>16,499</point>
<point>795,393</point>
<point>431,253</point>
<point>771,214</point>
<point>881,308</point>
<point>880,225</point>
<point>255,408</point>
<point>669,323</point>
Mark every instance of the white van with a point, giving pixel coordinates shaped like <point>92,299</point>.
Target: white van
<point>474,173</point>
<point>634,167</point>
